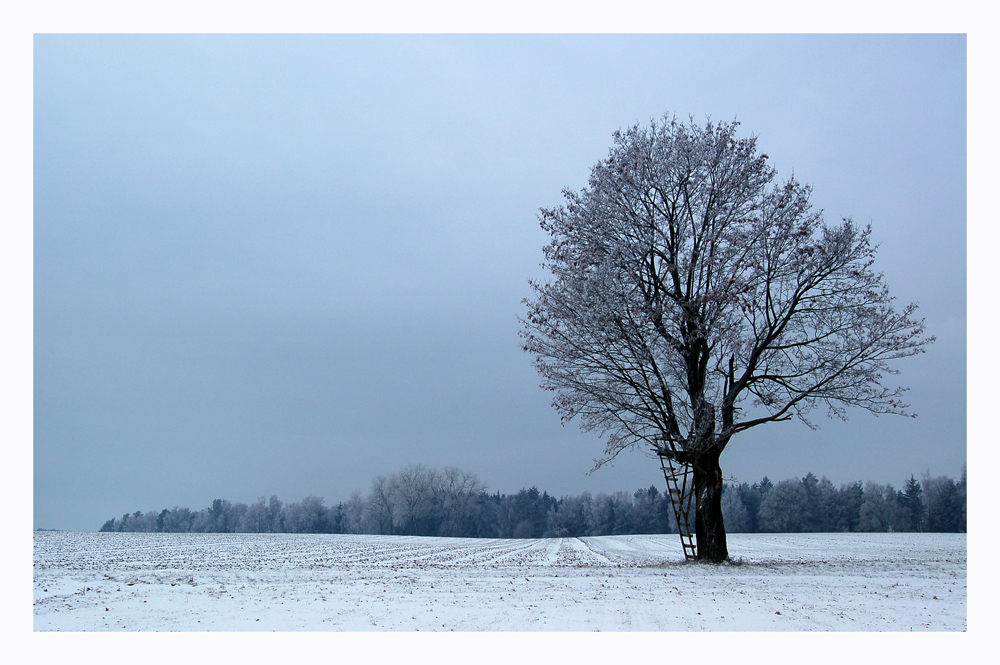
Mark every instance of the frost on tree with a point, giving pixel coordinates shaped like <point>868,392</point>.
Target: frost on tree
<point>693,297</point>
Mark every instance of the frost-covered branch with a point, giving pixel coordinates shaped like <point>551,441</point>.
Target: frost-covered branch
<point>693,297</point>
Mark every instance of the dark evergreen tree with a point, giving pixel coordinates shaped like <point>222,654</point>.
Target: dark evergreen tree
<point>827,505</point>
<point>944,505</point>
<point>846,509</point>
<point>912,503</point>
<point>961,487</point>
<point>812,517</point>
<point>750,496</point>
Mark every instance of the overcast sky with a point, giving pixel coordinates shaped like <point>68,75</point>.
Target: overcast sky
<point>287,264</point>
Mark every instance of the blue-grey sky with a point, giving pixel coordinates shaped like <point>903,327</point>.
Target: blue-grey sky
<point>286,264</point>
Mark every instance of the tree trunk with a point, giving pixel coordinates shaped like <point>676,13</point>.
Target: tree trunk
<point>709,528</point>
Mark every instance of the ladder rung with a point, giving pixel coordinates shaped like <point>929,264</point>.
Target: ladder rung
<point>680,491</point>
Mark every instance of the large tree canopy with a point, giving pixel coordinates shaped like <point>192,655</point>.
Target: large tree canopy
<point>694,297</point>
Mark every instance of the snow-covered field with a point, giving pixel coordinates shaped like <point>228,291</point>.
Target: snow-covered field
<point>286,582</point>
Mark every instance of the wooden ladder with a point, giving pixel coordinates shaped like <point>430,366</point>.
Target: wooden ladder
<point>681,490</point>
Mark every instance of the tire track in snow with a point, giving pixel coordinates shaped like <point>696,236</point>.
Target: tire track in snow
<point>552,551</point>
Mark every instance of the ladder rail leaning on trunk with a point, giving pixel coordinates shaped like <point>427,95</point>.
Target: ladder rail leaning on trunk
<point>681,490</point>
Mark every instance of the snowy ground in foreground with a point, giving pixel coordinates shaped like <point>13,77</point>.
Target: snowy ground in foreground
<point>286,582</point>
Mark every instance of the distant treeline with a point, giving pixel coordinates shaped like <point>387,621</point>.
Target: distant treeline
<point>422,501</point>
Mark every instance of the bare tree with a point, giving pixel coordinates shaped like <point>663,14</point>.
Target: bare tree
<point>413,492</point>
<point>459,490</point>
<point>353,513</point>
<point>255,520</point>
<point>693,297</point>
<point>378,516</point>
<point>275,515</point>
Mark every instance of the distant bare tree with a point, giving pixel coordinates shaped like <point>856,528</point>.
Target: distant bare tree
<point>459,490</point>
<point>255,520</point>
<point>413,493</point>
<point>378,517</point>
<point>880,510</point>
<point>307,516</point>
<point>782,508</point>
<point>276,515</point>
<point>353,511</point>
<point>735,513</point>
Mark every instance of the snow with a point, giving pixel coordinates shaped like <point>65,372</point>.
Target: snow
<point>289,582</point>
